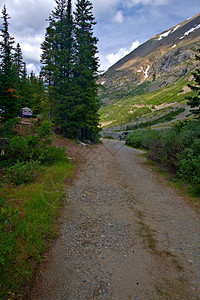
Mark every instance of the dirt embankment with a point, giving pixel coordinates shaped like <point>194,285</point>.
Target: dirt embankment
<point>125,234</point>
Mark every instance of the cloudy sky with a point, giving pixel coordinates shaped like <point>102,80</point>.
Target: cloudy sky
<point>122,25</point>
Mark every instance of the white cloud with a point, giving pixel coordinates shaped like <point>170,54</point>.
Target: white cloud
<point>31,48</point>
<point>131,3</point>
<point>119,17</point>
<point>32,67</point>
<point>105,7</point>
<point>114,57</point>
<point>27,25</point>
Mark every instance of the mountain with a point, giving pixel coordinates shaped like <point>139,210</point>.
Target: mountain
<point>163,62</point>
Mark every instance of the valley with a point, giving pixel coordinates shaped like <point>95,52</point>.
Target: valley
<point>151,81</point>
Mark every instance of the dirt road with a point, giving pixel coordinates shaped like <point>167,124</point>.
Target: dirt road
<point>125,234</point>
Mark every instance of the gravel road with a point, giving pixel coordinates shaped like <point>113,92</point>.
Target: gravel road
<point>125,234</point>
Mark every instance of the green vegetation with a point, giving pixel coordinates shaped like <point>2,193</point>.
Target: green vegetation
<point>145,107</point>
<point>194,99</point>
<point>69,66</point>
<point>32,174</point>
<point>66,90</point>
<point>177,149</point>
<point>130,92</point>
<point>17,90</point>
<point>27,223</point>
<point>166,118</point>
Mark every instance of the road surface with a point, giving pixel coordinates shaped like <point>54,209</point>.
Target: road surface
<point>125,234</point>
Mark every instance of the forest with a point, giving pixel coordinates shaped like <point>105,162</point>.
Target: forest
<point>65,92</point>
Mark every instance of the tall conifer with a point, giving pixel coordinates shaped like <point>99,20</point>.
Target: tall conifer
<point>86,66</point>
<point>57,61</point>
<point>18,62</point>
<point>8,99</point>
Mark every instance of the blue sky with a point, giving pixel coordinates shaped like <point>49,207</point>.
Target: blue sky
<point>121,26</point>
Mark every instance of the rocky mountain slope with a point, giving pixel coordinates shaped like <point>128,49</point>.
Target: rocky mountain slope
<point>157,63</point>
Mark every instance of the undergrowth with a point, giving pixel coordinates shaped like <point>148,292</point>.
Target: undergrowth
<point>28,222</point>
<point>32,174</point>
<point>177,149</point>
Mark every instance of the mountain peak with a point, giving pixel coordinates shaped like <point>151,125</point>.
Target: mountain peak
<point>159,61</point>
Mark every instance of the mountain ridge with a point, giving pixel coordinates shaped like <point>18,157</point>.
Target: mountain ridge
<point>167,54</point>
<point>151,81</point>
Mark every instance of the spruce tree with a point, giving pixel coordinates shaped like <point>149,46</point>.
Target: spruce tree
<point>57,61</point>
<point>18,62</point>
<point>85,72</point>
<point>194,100</point>
<point>25,89</point>
<point>9,103</point>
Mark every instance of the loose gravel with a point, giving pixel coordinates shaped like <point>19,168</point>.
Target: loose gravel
<point>125,234</point>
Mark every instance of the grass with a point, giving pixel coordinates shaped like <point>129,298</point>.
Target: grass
<point>132,108</point>
<point>166,118</point>
<point>32,227</point>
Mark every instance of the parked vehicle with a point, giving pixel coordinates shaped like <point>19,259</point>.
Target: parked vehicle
<point>123,136</point>
<point>26,113</point>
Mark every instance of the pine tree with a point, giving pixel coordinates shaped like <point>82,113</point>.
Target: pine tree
<point>194,100</point>
<point>86,66</point>
<point>18,62</point>
<point>25,89</point>
<point>37,95</point>
<point>57,61</point>
<point>8,98</point>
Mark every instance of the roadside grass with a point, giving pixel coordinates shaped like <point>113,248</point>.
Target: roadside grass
<point>29,222</point>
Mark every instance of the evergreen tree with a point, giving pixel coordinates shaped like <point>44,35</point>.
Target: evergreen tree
<point>8,98</point>
<point>18,61</point>
<point>37,94</point>
<point>57,61</point>
<point>86,66</point>
<point>25,89</point>
<point>194,100</point>
<point>69,66</point>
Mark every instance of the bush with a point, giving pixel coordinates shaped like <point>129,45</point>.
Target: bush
<point>135,139</point>
<point>142,138</point>
<point>24,172</point>
<point>7,129</point>
<point>45,129</point>
<point>189,170</point>
<point>52,154</point>
<point>172,146</point>
<point>177,148</point>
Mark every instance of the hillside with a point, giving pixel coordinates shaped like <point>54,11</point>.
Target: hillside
<point>154,74</point>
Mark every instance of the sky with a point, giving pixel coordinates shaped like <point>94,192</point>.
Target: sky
<point>122,25</point>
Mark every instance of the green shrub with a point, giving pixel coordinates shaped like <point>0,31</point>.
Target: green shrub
<point>52,154</point>
<point>142,138</point>
<point>135,139</point>
<point>149,137</point>
<point>24,172</point>
<point>7,129</point>
<point>172,147</point>
<point>189,170</point>
<point>177,148</point>
<point>45,129</point>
